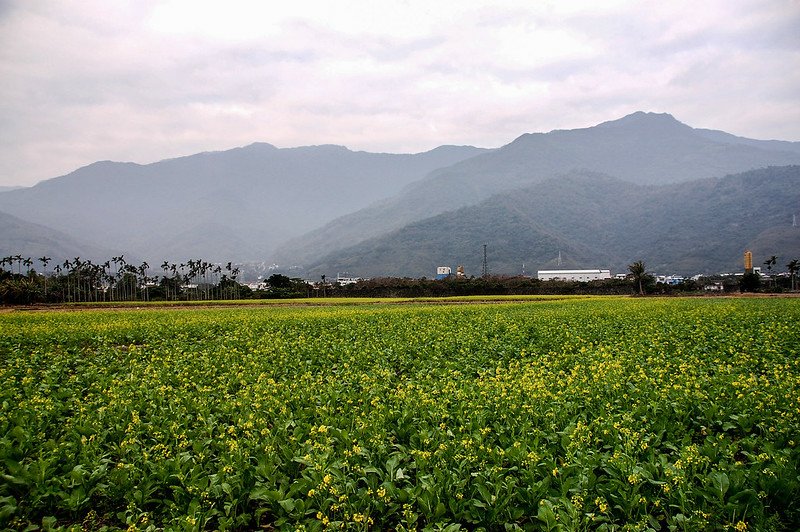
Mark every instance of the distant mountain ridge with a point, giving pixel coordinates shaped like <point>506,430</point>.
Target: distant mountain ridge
<point>230,205</point>
<point>314,206</point>
<point>641,148</point>
<point>591,220</point>
<point>19,237</point>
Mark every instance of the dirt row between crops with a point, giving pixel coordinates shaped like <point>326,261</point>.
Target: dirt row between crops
<point>328,303</point>
<point>335,302</point>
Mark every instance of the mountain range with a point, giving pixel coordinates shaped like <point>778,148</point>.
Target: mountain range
<point>590,220</point>
<point>231,205</point>
<point>645,186</point>
<point>641,148</point>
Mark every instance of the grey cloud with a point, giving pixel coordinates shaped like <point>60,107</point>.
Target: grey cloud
<point>394,50</point>
<point>98,84</point>
<point>6,8</point>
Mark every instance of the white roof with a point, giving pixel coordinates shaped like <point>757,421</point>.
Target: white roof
<point>571,272</point>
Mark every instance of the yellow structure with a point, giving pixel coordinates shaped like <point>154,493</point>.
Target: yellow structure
<point>748,262</point>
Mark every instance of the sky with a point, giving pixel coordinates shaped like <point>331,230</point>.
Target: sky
<point>146,80</point>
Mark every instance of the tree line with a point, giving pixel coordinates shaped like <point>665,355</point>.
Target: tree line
<point>79,280</point>
<point>82,281</point>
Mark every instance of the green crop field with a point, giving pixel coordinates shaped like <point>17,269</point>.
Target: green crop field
<point>584,414</point>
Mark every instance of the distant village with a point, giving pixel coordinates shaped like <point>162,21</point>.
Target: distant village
<point>772,278</point>
<point>116,280</point>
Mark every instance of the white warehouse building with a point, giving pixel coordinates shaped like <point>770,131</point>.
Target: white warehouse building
<point>573,275</point>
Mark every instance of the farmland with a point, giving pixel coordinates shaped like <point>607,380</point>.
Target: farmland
<point>584,414</point>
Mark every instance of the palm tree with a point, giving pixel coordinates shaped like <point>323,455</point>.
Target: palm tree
<point>143,275</point>
<point>57,270</point>
<point>235,277</point>
<point>105,277</point>
<point>119,262</point>
<point>769,263</point>
<point>44,260</point>
<point>639,272</point>
<point>794,267</point>
<point>217,271</point>
<point>92,276</point>
<point>205,267</point>
<point>76,269</point>
<point>165,267</point>
<point>191,266</point>
<point>68,279</point>
<point>229,268</point>
<point>129,273</point>
<point>174,269</point>
<point>184,279</point>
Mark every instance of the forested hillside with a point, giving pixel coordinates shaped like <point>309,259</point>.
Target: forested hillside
<point>640,149</point>
<point>595,221</point>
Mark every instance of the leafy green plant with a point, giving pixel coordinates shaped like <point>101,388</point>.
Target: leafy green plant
<point>623,414</point>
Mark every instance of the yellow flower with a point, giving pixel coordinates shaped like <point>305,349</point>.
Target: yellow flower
<point>577,501</point>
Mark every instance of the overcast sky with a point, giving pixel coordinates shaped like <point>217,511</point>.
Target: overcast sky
<point>141,81</point>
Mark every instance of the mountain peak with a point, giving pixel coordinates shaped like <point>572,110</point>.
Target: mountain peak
<point>259,146</point>
<point>326,149</point>
<point>642,118</point>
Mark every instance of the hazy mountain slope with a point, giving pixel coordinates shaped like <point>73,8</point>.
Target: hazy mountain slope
<point>255,197</point>
<point>19,237</point>
<point>595,221</point>
<point>773,145</point>
<point>523,227</point>
<point>782,241</point>
<point>706,227</point>
<point>7,189</point>
<point>642,148</point>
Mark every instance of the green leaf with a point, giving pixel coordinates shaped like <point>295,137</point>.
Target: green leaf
<point>262,493</point>
<point>440,510</point>
<point>720,482</point>
<point>287,504</point>
<point>546,514</point>
<point>8,507</point>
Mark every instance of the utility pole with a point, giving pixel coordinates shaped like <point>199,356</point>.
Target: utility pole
<point>485,267</point>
